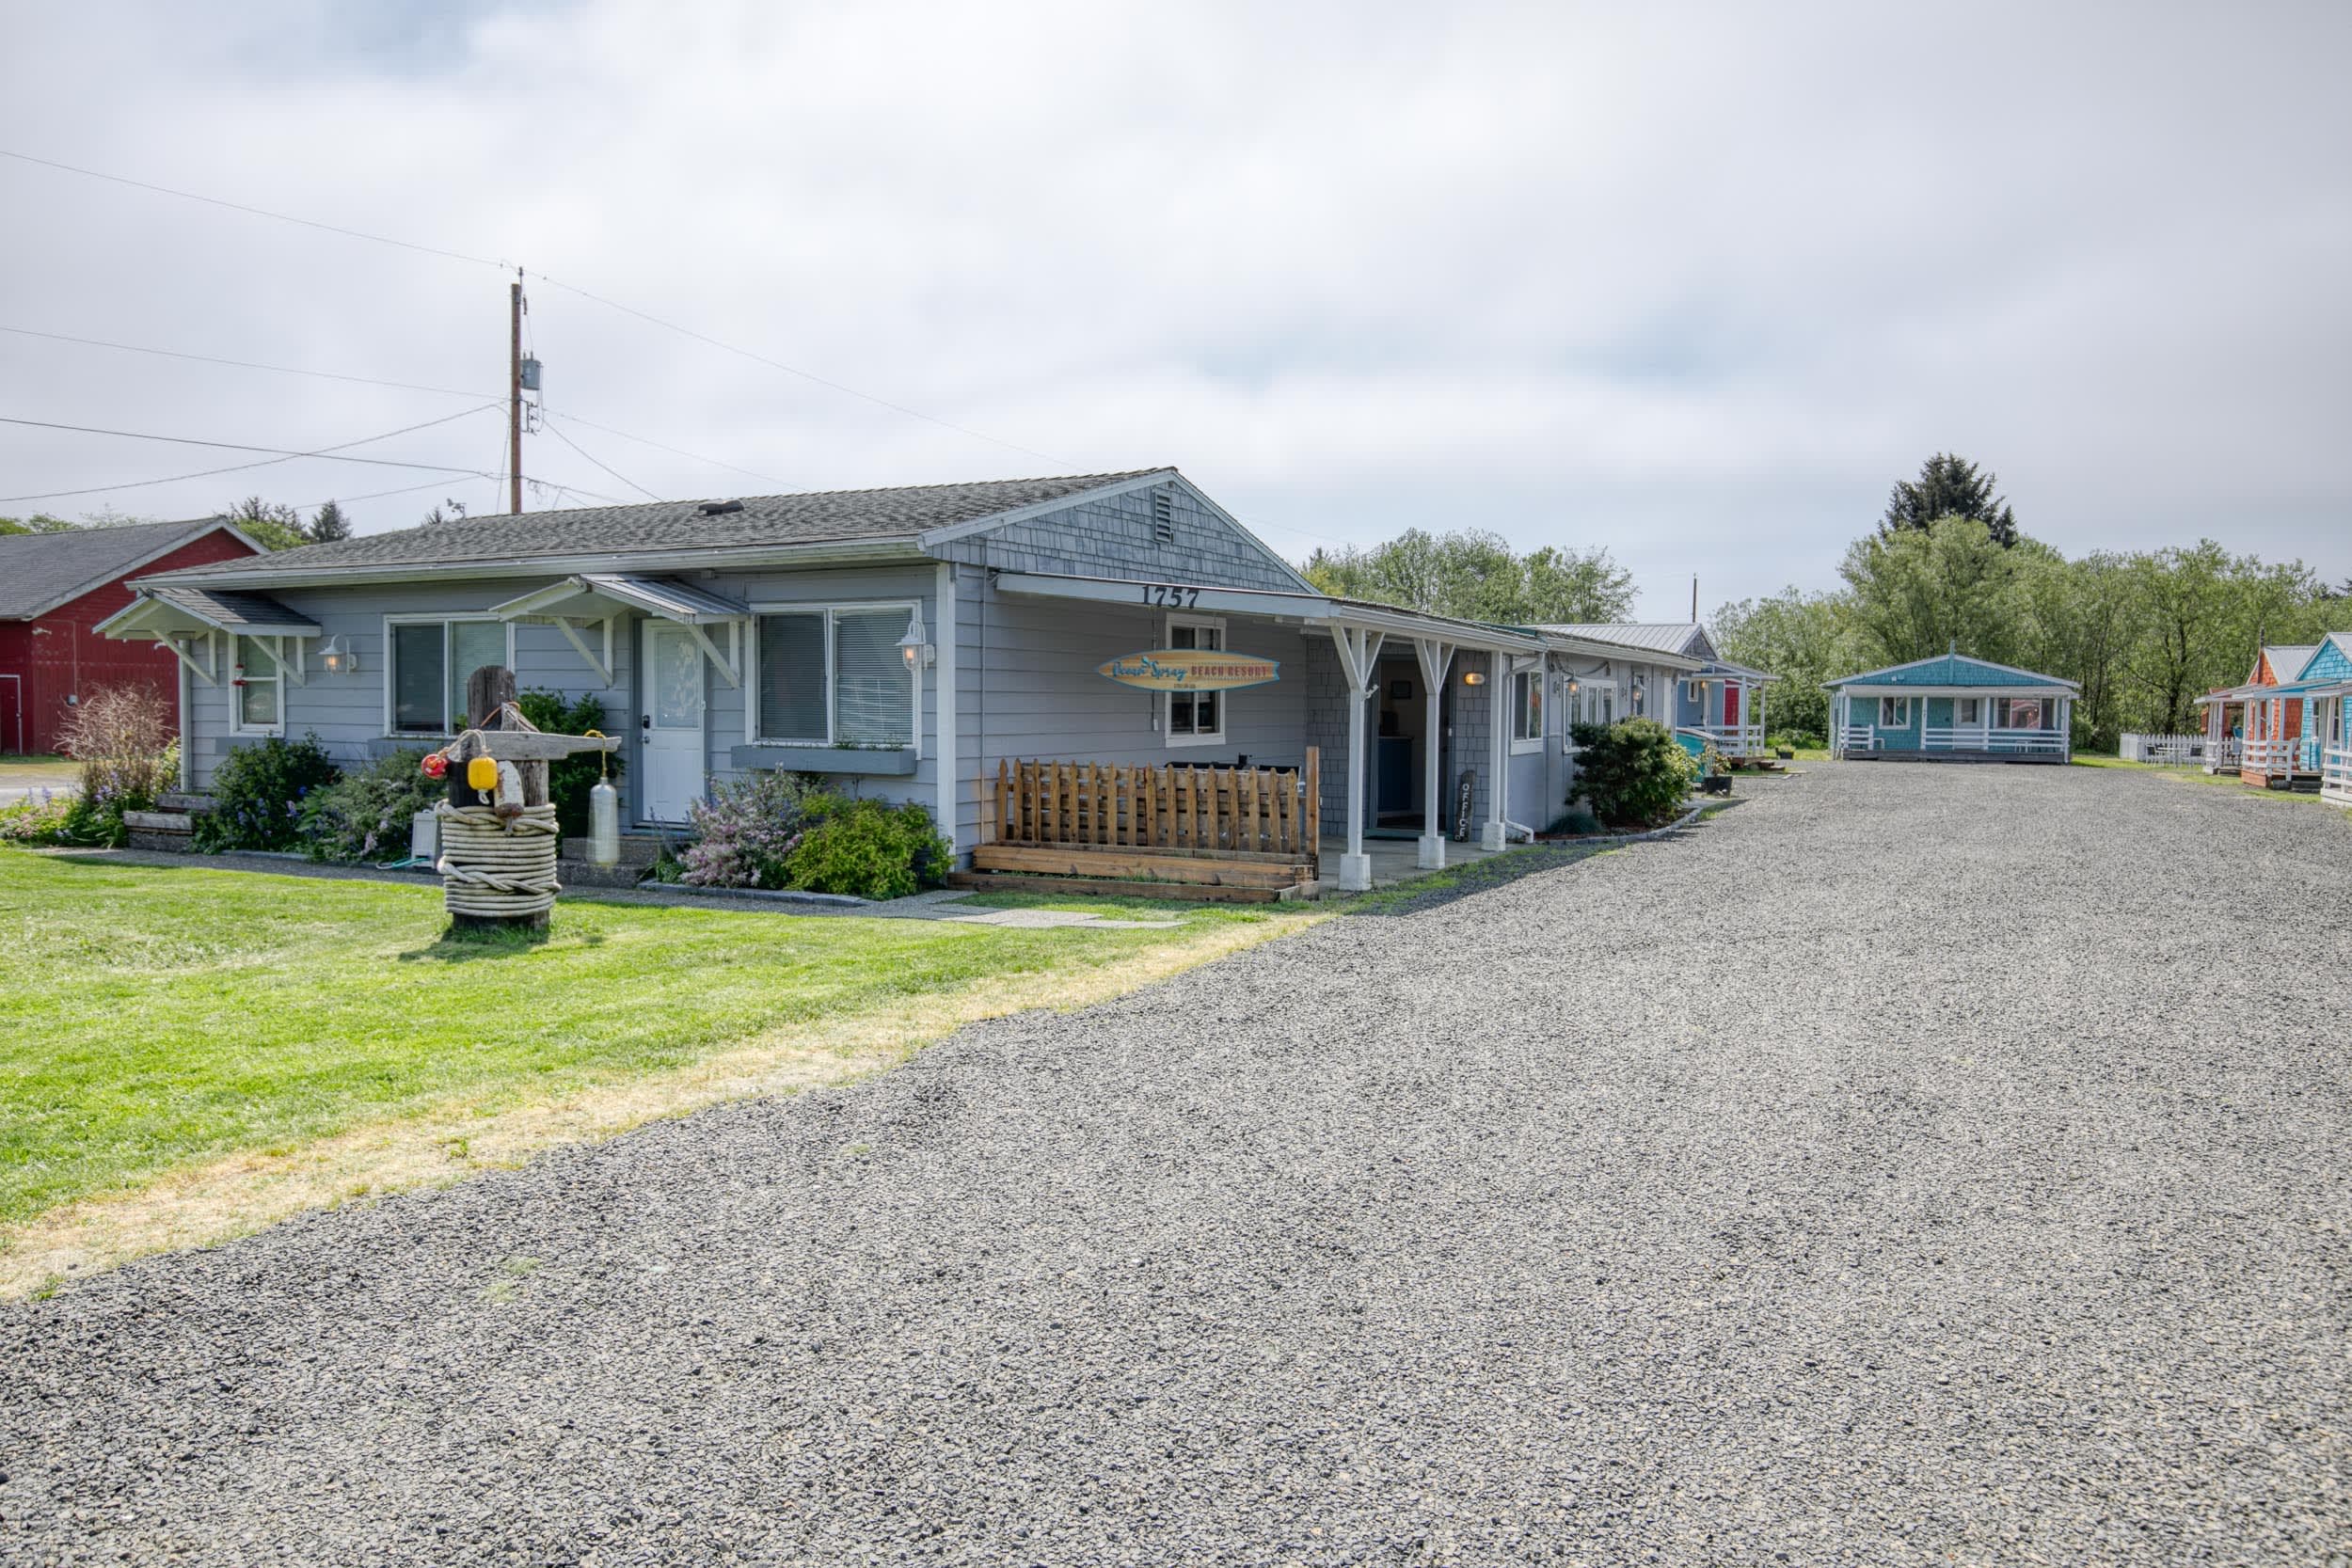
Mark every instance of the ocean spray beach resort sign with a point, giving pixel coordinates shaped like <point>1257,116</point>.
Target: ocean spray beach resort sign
<point>1189,670</point>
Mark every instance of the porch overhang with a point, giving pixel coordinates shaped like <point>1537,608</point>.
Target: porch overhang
<point>591,603</point>
<point>1308,611</point>
<point>1954,690</point>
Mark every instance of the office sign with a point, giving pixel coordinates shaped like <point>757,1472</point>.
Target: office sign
<point>1189,670</point>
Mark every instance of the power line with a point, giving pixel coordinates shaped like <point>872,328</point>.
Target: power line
<point>554,430</point>
<point>377,381</point>
<point>256,212</point>
<point>794,370</point>
<point>243,364</point>
<point>279,454</point>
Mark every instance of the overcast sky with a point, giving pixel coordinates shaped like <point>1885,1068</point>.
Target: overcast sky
<point>1696,284</point>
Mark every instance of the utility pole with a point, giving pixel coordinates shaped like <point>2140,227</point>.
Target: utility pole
<point>1694,594</point>
<point>515,396</point>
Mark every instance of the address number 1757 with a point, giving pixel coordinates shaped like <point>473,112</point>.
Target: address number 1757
<point>1171,596</point>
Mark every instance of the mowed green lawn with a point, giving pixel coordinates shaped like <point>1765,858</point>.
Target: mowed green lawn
<point>154,1017</point>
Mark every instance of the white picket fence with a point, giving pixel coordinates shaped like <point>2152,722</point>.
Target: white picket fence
<point>2178,751</point>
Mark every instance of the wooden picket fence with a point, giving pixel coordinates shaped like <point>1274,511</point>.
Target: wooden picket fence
<point>1180,808</point>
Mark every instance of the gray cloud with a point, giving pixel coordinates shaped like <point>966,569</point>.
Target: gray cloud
<point>1695,283</point>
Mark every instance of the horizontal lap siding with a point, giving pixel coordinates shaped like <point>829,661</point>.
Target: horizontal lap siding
<point>1028,688</point>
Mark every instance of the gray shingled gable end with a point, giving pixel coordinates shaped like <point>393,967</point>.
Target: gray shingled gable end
<point>1113,535</point>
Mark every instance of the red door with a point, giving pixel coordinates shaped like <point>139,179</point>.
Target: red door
<point>1731,705</point>
<point>11,713</point>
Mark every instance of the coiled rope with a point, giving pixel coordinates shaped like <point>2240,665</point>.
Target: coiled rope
<point>497,866</point>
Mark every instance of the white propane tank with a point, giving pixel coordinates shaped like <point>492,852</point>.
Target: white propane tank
<point>604,825</point>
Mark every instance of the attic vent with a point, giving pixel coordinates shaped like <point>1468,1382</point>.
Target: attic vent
<point>1163,517</point>
<point>719,509</point>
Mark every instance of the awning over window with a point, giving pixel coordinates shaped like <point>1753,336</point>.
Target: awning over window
<point>595,600</point>
<point>596,596</point>
<point>164,611</point>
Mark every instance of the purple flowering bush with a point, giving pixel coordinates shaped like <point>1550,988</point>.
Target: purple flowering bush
<point>257,793</point>
<point>747,831</point>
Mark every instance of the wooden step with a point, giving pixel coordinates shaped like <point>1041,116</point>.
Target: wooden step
<point>1139,866</point>
<point>994,881</point>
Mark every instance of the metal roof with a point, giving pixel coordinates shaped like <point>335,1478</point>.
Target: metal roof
<point>1947,670</point>
<point>41,571</point>
<point>1661,637</point>
<point>2288,659</point>
<point>664,528</point>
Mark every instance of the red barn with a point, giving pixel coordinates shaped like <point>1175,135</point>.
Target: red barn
<point>55,588</point>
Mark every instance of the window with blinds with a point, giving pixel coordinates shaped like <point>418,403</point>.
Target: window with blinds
<point>836,677</point>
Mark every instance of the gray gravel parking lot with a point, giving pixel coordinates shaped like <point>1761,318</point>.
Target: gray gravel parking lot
<point>1913,1165</point>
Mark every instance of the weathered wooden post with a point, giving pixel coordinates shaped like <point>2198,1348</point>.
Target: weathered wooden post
<point>498,832</point>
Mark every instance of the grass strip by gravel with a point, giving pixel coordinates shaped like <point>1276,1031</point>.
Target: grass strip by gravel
<point>185,1053</point>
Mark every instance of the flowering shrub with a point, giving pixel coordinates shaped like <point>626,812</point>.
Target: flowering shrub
<point>866,849</point>
<point>747,829</point>
<point>121,737</point>
<point>39,819</point>
<point>364,815</point>
<point>258,793</point>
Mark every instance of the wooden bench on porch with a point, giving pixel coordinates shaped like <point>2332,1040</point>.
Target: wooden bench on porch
<point>1182,830</point>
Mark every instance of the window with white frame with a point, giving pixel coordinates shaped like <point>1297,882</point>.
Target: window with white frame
<point>1895,713</point>
<point>834,676</point>
<point>1696,693</point>
<point>424,677</point>
<point>260,689</point>
<point>1967,710</point>
<point>1527,709</point>
<point>2018,713</point>
<point>1195,717</point>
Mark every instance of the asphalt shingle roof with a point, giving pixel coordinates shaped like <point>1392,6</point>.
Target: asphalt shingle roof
<point>1951,670</point>
<point>39,571</point>
<point>822,518</point>
<point>225,610</point>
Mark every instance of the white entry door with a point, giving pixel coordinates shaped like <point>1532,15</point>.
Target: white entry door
<point>670,700</point>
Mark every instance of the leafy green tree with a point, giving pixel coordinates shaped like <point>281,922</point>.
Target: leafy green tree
<point>272,526</point>
<point>39,522</point>
<point>1476,576</point>
<point>1949,486</point>
<point>328,525</point>
<point>1920,592</point>
<point>1802,637</point>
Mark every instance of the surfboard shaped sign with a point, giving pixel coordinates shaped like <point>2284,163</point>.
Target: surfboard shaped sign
<point>1189,670</point>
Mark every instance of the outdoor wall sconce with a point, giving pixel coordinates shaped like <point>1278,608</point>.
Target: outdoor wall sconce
<point>339,659</point>
<point>914,649</point>
<point>1573,686</point>
<point>1473,677</point>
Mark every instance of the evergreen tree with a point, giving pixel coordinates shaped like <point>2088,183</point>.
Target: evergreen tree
<point>328,525</point>
<point>1949,486</point>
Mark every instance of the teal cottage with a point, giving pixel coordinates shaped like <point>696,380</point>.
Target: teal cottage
<point>1952,708</point>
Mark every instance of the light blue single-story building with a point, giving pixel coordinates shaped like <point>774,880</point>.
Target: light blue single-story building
<point>915,642</point>
<point>1952,708</point>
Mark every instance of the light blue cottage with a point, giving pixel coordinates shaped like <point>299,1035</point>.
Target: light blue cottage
<point>1952,708</point>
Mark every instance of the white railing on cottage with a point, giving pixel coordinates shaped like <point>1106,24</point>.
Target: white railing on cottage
<point>1857,738</point>
<point>2276,758</point>
<point>2335,775</point>
<point>1984,738</point>
<point>1734,741</point>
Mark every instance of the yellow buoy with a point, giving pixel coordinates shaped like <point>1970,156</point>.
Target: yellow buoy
<point>482,775</point>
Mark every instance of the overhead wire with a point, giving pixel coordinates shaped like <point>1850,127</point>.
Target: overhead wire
<point>549,425</point>
<point>593,297</point>
<point>280,454</point>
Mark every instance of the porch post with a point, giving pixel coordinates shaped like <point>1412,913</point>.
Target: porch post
<point>1490,835</point>
<point>1360,653</point>
<point>1433,655</point>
